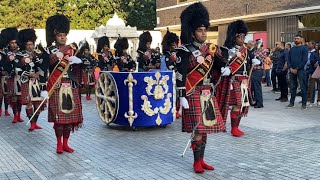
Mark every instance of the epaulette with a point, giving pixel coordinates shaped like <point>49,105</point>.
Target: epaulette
<point>183,48</point>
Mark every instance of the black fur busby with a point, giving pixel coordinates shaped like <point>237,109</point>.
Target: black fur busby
<point>3,42</point>
<point>193,17</point>
<point>143,39</point>
<point>56,24</point>
<point>121,44</point>
<point>26,35</point>
<point>102,41</point>
<point>9,34</point>
<point>84,46</point>
<point>235,28</point>
<point>168,39</point>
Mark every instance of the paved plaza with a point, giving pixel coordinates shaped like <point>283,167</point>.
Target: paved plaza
<point>279,144</point>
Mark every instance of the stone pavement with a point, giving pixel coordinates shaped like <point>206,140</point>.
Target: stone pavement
<point>279,144</point>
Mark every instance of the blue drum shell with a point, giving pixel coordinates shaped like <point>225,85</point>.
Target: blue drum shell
<point>138,90</point>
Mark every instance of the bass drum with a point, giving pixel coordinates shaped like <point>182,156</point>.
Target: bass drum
<point>136,99</point>
<point>107,98</point>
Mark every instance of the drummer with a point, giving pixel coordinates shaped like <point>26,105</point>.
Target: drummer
<point>147,58</point>
<point>123,60</point>
<point>105,58</point>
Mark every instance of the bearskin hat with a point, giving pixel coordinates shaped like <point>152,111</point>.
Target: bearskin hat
<point>193,17</point>
<point>121,44</point>
<point>26,35</point>
<point>3,42</point>
<point>143,39</point>
<point>84,46</point>
<point>168,39</point>
<point>102,41</point>
<point>9,34</point>
<point>234,28</point>
<point>56,24</point>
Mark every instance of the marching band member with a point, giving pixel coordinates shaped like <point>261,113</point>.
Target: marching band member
<point>194,83</point>
<point>105,57</point>
<point>88,65</point>
<point>3,76</point>
<point>65,109</point>
<point>146,57</point>
<point>169,44</point>
<point>124,61</point>
<point>14,70</point>
<point>33,76</point>
<point>234,89</point>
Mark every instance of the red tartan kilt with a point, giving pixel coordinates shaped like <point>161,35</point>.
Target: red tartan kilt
<point>25,98</point>
<point>191,116</point>
<point>85,78</point>
<point>1,90</point>
<point>10,85</point>
<point>58,117</point>
<point>235,93</point>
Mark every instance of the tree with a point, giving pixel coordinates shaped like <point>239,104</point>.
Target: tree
<point>142,13</point>
<point>83,14</point>
<point>25,13</point>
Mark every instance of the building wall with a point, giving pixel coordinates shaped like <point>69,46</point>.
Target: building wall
<point>165,3</point>
<point>282,29</point>
<point>230,8</point>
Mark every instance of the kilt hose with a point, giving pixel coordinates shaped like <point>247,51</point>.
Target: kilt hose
<point>26,99</point>
<point>56,116</point>
<point>191,116</point>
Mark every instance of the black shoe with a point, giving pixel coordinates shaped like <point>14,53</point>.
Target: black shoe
<point>304,107</point>
<point>254,104</point>
<point>278,99</point>
<point>284,100</point>
<point>299,93</point>
<point>258,106</point>
<point>290,105</point>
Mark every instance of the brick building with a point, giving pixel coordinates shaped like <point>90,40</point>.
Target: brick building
<point>272,20</point>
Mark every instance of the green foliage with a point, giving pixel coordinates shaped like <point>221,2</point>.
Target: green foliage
<point>142,14</point>
<point>311,20</point>
<point>83,14</point>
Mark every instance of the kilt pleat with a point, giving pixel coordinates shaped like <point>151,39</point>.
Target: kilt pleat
<point>10,85</point>
<point>1,89</point>
<point>25,97</point>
